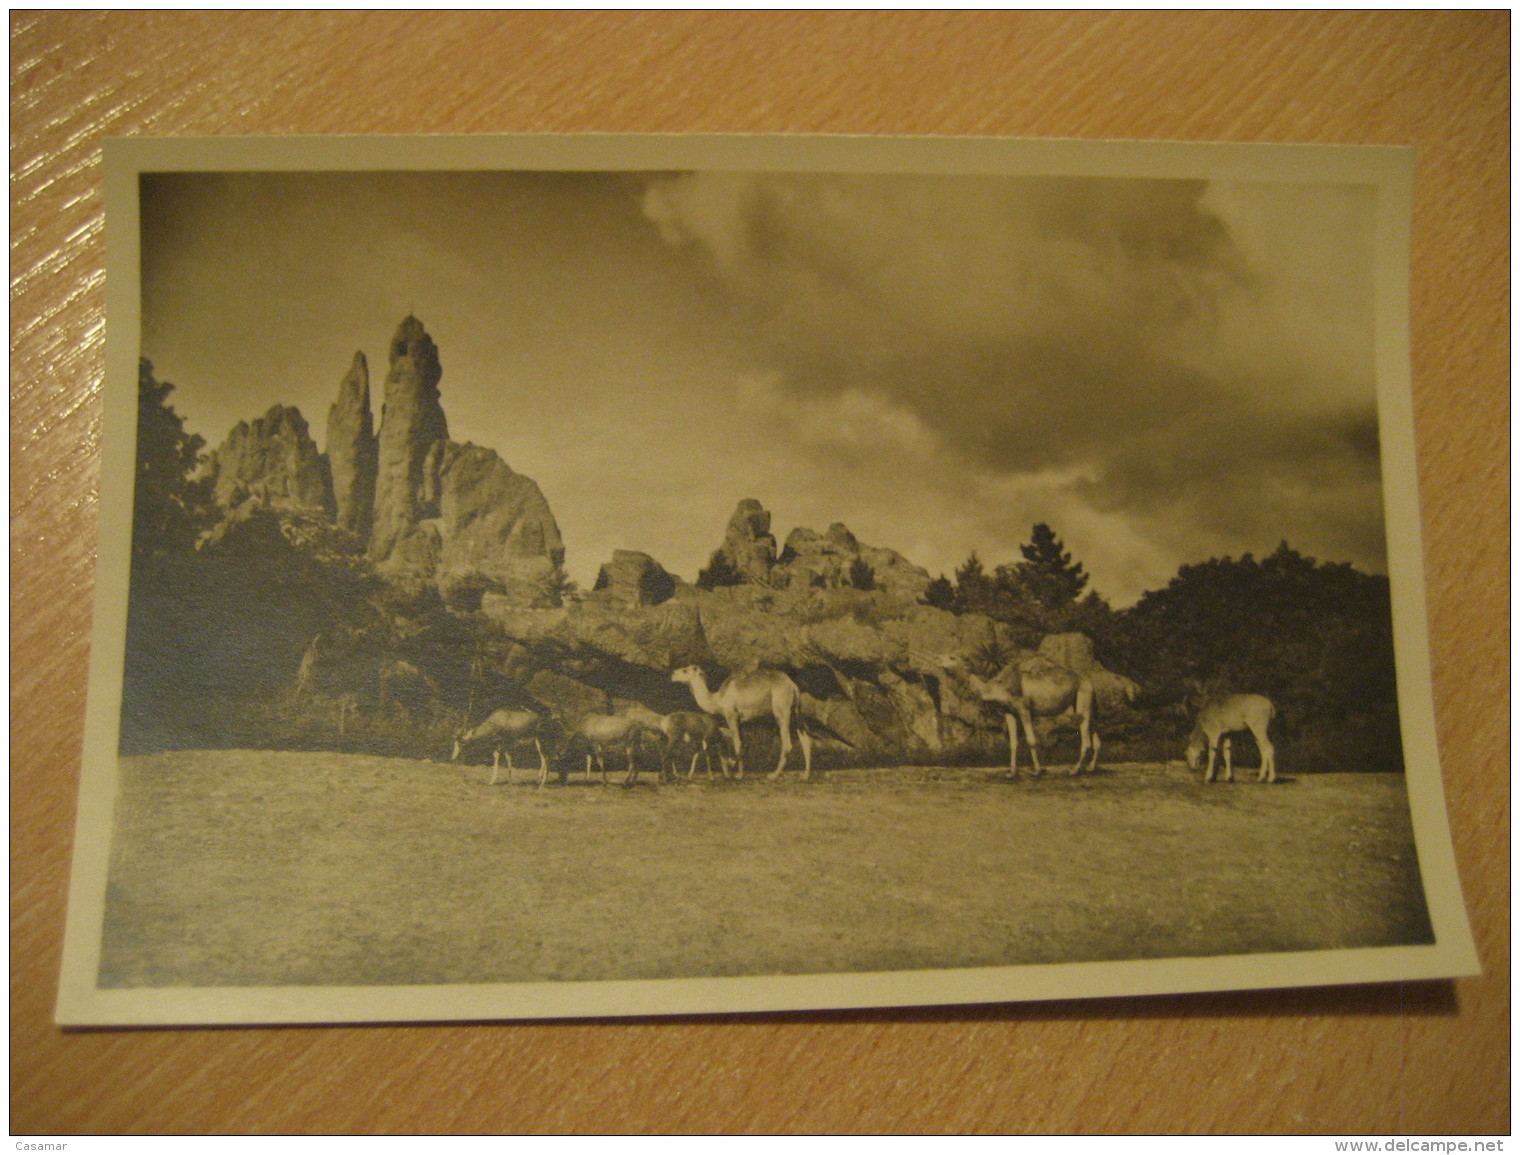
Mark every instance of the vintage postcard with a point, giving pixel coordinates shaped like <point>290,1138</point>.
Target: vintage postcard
<point>594,576</point>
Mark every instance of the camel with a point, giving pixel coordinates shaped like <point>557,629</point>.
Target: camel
<point>754,692</point>
<point>503,728</point>
<point>1226,714</point>
<point>1035,687</point>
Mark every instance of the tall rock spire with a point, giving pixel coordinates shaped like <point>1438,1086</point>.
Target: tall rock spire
<point>352,452</point>
<point>411,424</point>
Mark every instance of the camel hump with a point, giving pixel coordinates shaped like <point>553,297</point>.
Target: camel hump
<point>753,675</point>
<point>1042,668</point>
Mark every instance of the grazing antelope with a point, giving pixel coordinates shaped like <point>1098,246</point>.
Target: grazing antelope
<point>699,731</point>
<point>685,729</point>
<point>1035,687</point>
<point>600,732</point>
<point>1226,714</point>
<point>501,729</point>
<point>754,693</point>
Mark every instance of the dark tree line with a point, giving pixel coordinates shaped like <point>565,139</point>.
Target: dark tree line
<point>1043,594</point>
<point>1315,637</point>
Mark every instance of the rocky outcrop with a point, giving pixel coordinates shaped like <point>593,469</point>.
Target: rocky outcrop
<point>491,524</point>
<point>425,509</point>
<point>412,422</point>
<point>831,560</point>
<point>437,512</point>
<point>748,548</point>
<point>271,462</point>
<point>568,699</point>
<point>835,560</point>
<point>353,452</point>
<point>633,579</point>
<point>656,638</point>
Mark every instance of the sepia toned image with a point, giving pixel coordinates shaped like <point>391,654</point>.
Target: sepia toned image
<point>634,576</point>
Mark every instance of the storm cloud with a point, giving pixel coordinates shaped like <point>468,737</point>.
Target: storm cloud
<point>1194,359</point>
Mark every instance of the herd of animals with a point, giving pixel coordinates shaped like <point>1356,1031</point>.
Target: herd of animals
<point>756,692</point>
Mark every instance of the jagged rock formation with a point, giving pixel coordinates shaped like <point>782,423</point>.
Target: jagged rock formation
<point>491,523</point>
<point>271,462</point>
<point>424,508</point>
<point>453,514</point>
<point>748,547</point>
<point>836,559</point>
<point>353,452</point>
<point>411,423</point>
<point>828,561</point>
<point>633,578</point>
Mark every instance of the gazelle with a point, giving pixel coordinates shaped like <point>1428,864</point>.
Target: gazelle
<point>699,731</point>
<point>1036,687</point>
<point>681,728</point>
<point>501,729</point>
<point>600,732</point>
<point>1226,714</point>
<point>754,693</point>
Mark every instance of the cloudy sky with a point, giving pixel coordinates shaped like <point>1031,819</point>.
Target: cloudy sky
<point>1164,371</point>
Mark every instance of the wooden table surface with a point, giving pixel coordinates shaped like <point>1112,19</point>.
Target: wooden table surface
<point>1410,1058</point>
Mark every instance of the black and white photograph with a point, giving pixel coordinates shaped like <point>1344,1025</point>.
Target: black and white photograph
<point>608,576</point>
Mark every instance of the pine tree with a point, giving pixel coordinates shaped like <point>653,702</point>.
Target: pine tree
<point>1047,571</point>
<point>940,594</point>
<point>973,588</point>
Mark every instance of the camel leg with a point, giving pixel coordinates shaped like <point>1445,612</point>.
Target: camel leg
<point>1208,770</point>
<point>1268,771</point>
<point>1012,723</point>
<point>511,769</point>
<point>543,764</point>
<point>733,732</point>
<point>495,762</point>
<point>806,741</point>
<point>1227,748</point>
<point>786,747</point>
<point>1094,744</point>
<point>1034,747</point>
<point>1091,743</point>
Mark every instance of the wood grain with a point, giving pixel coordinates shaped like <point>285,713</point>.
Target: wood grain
<point>1398,1059</point>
